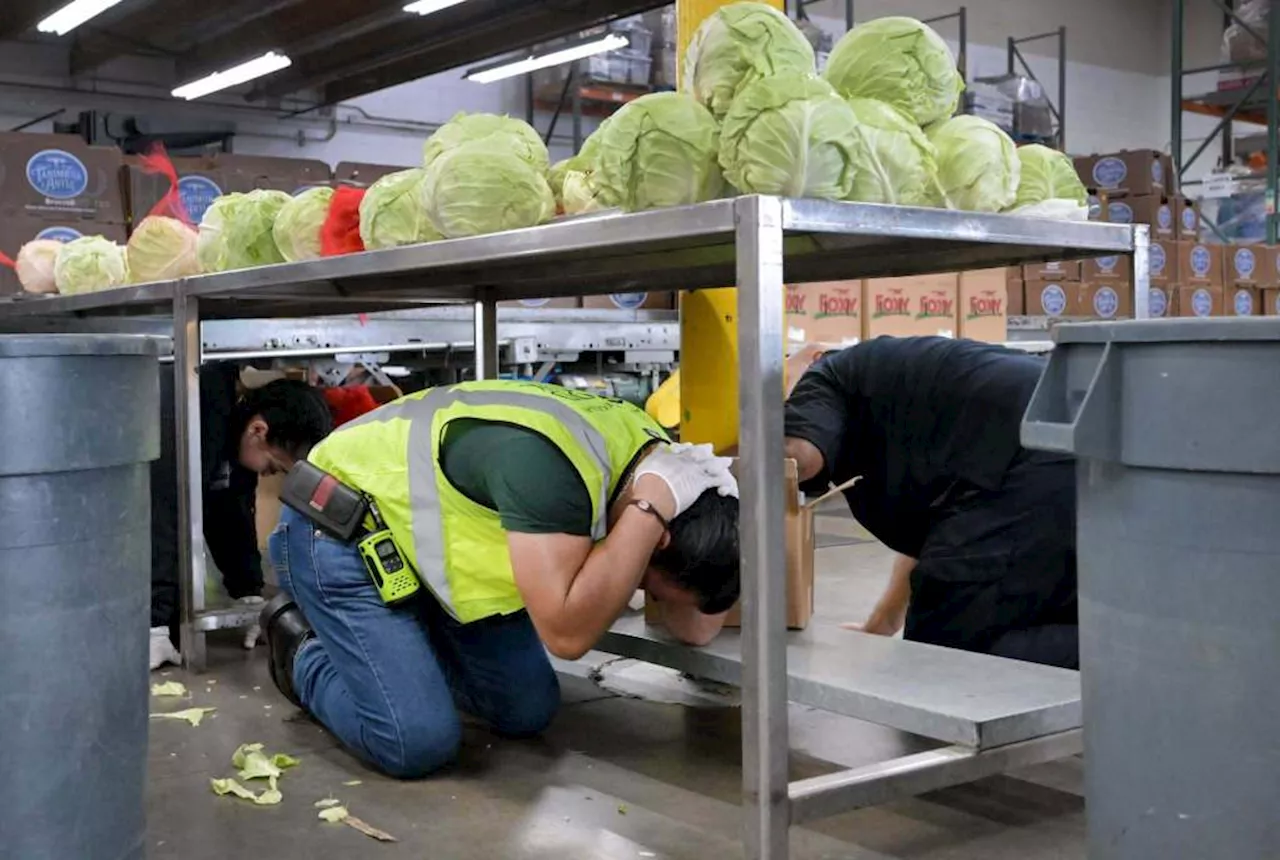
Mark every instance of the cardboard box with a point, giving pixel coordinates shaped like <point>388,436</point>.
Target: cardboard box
<point>1017,298</point>
<point>1187,218</point>
<point>1153,209</point>
<point>543,304</point>
<point>361,175</point>
<point>984,305</point>
<point>1241,301</point>
<point>825,312</point>
<point>1271,302</point>
<point>1204,301</point>
<point>200,181</point>
<point>1127,173</point>
<point>248,172</point>
<point>1200,263</point>
<point>1108,300</point>
<point>1160,302</point>
<point>800,542</point>
<point>1118,267</point>
<point>1058,270</point>
<point>59,178</point>
<point>905,307</point>
<point>631,301</point>
<point>16,231</point>
<point>1053,299</point>
<point>1163,262</point>
<point>1251,265</point>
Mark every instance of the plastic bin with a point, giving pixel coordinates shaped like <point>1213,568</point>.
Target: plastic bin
<point>1175,425</point>
<point>638,66</point>
<point>639,36</point>
<point>75,570</point>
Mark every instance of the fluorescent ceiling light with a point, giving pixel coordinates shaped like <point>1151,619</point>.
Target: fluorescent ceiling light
<point>426,7</point>
<point>73,15</point>
<point>531,63</point>
<point>234,76</point>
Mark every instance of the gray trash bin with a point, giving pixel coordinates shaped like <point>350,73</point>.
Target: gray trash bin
<point>79,423</point>
<point>1177,426</point>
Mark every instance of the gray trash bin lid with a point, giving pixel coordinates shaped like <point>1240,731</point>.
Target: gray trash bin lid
<point>1186,394</point>
<point>48,345</point>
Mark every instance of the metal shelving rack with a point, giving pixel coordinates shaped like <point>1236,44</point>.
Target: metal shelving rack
<point>756,242</point>
<point>1258,103</point>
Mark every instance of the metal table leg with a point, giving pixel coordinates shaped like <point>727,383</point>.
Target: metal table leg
<point>1141,272</point>
<point>764,659</point>
<point>486,338</point>
<point>186,404</point>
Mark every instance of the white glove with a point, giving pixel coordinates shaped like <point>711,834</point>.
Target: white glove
<point>689,471</point>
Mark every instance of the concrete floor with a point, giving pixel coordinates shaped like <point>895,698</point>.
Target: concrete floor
<point>615,777</point>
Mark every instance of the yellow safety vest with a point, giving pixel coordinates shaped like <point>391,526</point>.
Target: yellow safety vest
<point>457,546</point>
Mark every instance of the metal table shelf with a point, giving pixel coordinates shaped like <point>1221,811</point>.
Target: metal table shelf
<point>757,243</point>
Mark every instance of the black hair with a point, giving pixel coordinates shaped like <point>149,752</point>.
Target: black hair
<point>297,415</point>
<point>702,555</point>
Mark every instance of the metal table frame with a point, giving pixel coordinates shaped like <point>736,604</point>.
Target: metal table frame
<point>744,240</point>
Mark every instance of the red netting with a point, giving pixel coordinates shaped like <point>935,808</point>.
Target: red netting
<point>341,231</point>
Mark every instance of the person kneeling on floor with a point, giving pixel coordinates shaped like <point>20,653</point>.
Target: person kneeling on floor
<point>531,515</point>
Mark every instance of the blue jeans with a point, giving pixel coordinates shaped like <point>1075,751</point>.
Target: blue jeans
<point>389,681</point>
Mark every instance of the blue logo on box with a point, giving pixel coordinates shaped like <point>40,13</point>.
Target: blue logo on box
<point>1120,213</point>
<point>1201,303</point>
<point>197,194</point>
<point>1106,303</point>
<point>1054,300</point>
<point>1157,302</point>
<point>1189,219</point>
<point>1109,172</point>
<point>1157,172</point>
<point>628,301</point>
<point>57,174</point>
<point>1157,260</point>
<point>1164,218</point>
<point>1243,303</point>
<point>59,234</point>
<point>1200,261</point>
<point>1108,264</point>
<point>1244,263</point>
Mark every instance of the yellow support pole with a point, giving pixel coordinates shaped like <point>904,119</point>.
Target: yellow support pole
<point>708,318</point>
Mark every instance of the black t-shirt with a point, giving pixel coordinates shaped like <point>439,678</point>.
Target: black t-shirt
<point>916,418</point>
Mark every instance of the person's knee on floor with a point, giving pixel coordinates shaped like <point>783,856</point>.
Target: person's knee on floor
<point>421,748</point>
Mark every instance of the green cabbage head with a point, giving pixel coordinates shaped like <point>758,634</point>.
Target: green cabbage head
<point>89,264</point>
<point>978,165</point>
<point>237,231</point>
<point>483,187</point>
<point>659,150</point>
<point>893,161</point>
<point>789,135</point>
<point>392,212</point>
<point>737,44</point>
<point>514,134</point>
<point>1050,186</point>
<point>297,228</point>
<point>900,61</point>
<point>161,249</point>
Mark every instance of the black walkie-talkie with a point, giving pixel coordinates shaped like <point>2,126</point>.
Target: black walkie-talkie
<point>341,511</point>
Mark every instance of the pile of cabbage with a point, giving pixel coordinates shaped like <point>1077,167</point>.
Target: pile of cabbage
<point>753,117</point>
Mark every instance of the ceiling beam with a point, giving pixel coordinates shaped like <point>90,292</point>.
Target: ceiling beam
<point>19,16</point>
<point>437,44</point>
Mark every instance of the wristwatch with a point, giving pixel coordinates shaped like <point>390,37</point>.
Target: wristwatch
<point>647,506</point>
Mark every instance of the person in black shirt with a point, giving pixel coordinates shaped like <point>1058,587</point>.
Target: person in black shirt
<point>241,437</point>
<point>985,529</point>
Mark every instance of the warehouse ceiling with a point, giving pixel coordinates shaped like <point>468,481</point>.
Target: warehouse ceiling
<point>340,49</point>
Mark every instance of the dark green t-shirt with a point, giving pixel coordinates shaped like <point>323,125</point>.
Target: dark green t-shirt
<point>520,474</point>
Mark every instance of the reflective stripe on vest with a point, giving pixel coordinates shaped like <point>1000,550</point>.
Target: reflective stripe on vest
<point>424,494</point>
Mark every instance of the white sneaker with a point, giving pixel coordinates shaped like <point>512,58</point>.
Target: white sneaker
<point>254,631</point>
<point>162,650</point>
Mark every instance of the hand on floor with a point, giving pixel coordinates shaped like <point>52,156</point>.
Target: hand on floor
<point>162,650</point>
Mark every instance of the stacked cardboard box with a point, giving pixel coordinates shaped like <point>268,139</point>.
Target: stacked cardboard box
<point>204,178</point>
<point>56,187</point>
<point>984,305</point>
<point>1052,289</point>
<point>1128,173</point>
<point>921,305</point>
<point>828,312</point>
<point>631,301</point>
<point>361,175</point>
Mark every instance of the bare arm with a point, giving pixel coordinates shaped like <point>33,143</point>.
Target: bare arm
<point>689,625</point>
<point>574,589</point>
<point>890,613</point>
<point>808,458</point>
